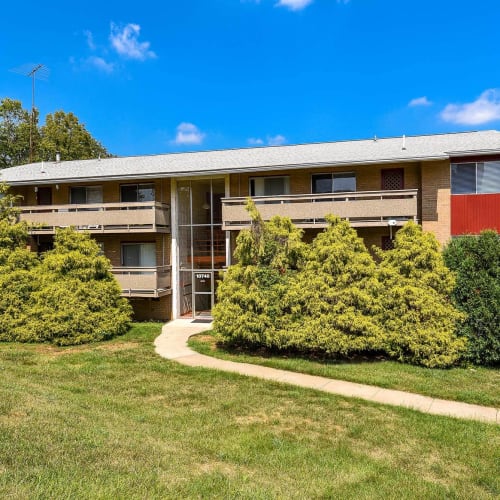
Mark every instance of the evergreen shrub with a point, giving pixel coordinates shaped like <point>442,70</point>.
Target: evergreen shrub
<point>331,297</point>
<point>67,296</point>
<point>476,260</point>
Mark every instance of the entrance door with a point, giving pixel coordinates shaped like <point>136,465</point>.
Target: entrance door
<point>203,293</point>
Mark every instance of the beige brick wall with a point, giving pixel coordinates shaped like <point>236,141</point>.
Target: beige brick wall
<point>112,246</point>
<point>110,191</point>
<point>368,178</point>
<point>435,199</point>
<point>152,309</point>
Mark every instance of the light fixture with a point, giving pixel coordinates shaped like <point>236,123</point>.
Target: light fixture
<point>205,206</point>
<point>57,187</point>
<point>390,223</point>
<point>36,189</point>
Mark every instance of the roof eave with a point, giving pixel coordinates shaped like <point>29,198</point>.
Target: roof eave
<point>219,172</point>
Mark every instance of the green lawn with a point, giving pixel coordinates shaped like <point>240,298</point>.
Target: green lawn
<point>114,420</point>
<point>472,385</point>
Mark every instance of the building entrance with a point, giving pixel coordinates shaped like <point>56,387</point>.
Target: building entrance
<point>201,244</point>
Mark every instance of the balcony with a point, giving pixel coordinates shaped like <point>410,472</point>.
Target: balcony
<point>361,209</point>
<point>151,282</point>
<point>139,217</point>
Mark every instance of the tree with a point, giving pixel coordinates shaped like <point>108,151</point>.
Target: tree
<point>79,300</point>
<point>15,133</point>
<point>64,133</point>
<point>68,296</point>
<point>476,260</point>
<point>417,314</point>
<point>335,295</point>
<point>252,303</point>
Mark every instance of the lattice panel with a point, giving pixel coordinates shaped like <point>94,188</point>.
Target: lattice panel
<point>393,179</point>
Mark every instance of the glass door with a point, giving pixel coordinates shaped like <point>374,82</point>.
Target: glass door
<point>203,293</point>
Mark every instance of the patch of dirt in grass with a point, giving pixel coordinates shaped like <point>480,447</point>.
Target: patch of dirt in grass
<point>119,346</point>
<point>55,351</point>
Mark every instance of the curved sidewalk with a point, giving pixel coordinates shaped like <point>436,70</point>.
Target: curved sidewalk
<point>172,344</point>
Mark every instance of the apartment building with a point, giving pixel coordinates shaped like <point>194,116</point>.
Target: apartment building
<point>168,223</point>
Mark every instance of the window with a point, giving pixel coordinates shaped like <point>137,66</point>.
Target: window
<point>138,254</point>
<point>84,195</point>
<point>137,192</point>
<point>475,178</point>
<point>334,183</point>
<point>269,186</point>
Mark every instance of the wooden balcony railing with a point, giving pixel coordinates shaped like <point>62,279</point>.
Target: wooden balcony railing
<point>144,281</point>
<point>148,216</point>
<point>362,208</point>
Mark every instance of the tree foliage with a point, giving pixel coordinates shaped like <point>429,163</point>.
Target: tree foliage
<point>334,295</point>
<point>62,132</point>
<point>476,260</point>
<point>330,296</point>
<point>15,133</point>
<point>416,311</point>
<point>68,296</point>
<point>252,297</point>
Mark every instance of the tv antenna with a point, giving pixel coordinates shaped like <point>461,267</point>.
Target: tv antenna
<point>33,71</point>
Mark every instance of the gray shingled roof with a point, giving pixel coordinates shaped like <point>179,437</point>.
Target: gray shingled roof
<point>258,159</point>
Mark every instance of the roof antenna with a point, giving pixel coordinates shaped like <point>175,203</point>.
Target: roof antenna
<point>375,138</point>
<point>42,169</point>
<point>404,142</point>
<point>33,71</point>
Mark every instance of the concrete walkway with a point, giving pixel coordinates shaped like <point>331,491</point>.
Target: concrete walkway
<point>172,344</point>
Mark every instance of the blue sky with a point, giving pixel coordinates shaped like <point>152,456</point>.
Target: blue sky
<point>210,74</point>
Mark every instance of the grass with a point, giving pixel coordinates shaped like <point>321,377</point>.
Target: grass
<point>113,420</point>
<point>476,385</point>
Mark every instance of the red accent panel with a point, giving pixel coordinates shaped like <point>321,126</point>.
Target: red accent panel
<point>471,213</point>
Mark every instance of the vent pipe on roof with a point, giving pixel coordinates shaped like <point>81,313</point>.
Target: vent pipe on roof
<point>404,142</point>
<point>58,156</point>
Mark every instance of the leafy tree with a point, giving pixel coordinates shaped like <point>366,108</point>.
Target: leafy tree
<point>64,133</point>
<point>251,306</point>
<point>476,260</point>
<point>417,314</point>
<point>15,133</point>
<point>334,295</point>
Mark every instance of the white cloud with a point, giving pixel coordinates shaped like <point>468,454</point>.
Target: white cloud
<point>255,141</point>
<point>271,140</point>
<point>126,42</point>
<point>419,101</point>
<point>486,108</point>
<point>100,64</point>
<point>90,39</point>
<point>188,133</point>
<point>276,140</point>
<point>294,4</point>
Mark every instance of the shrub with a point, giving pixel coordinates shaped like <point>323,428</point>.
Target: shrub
<point>69,296</point>
<point>251,305</point>
<point>476,260</point>
<point>417,315</point>
<point>334,295</point>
